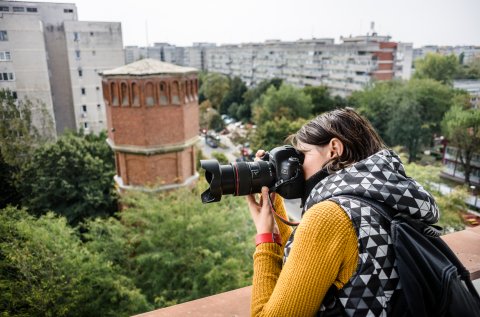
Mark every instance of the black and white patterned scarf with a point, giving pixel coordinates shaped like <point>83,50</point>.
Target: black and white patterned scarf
<point>380,177</point>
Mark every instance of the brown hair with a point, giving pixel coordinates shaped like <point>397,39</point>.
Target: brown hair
<point>359,138</point>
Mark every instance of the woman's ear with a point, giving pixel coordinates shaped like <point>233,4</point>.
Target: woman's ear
<point>336,147</point>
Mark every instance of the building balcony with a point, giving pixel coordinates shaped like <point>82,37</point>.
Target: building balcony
<point>465,244</point>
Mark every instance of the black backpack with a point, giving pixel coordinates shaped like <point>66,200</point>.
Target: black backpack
<point>434,282</point>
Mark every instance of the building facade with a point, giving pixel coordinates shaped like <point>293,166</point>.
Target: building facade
<point>152,111</point>
<point>344,67</point>
<point>45,49</point>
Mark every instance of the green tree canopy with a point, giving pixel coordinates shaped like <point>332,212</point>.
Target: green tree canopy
<point>462,129</point>
<point>252,94</point>
<point>18,135</point>
<point>234,95</point>
<point>438,67</point>
<point>406,113</point>
<point>286,101</point>
<point>215,87</point>
<point>321,99</point>
<point>176,248</point>
<point>46,271</point>
<point>272,133</point>
<point>72,177</point>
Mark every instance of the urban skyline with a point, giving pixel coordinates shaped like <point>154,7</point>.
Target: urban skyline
<point>183,23</point>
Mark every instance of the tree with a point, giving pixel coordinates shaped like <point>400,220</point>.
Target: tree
<point>406,113</point>
<point>18,139</point>
<point>321,99</point>
<point>176,248</point>
<point>438,67</point>
<point>376,103</point>
<point>234,95</point>
<point>72,177</point>
<point>215,87</point>
<point>286,101</point>
<point>470,70</point>
<point>45,270</point>
<point>462,128</point>
<point>272,133</point>
<point>252,94</point>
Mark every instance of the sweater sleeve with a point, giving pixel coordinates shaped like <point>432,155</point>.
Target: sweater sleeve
<point>325,252</point>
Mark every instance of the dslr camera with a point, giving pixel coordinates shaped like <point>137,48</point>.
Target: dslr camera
<point>279,169</point>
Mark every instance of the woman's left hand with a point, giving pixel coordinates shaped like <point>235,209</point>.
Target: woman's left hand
<point>261,213</point>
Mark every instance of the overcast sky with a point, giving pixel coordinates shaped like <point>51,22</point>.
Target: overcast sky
<point>182,22</point>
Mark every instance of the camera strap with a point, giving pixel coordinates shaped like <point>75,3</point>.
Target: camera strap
<point>285,221</point>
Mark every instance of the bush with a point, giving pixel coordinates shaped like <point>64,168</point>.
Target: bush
<point>46,271</point>
<point>176,248</point>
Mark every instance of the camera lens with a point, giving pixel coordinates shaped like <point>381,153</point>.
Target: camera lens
<point>238,179</point>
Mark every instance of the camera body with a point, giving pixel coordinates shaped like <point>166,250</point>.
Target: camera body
<point>280,170</point>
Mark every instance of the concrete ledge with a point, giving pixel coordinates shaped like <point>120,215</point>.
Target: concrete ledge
<point>465,244</point>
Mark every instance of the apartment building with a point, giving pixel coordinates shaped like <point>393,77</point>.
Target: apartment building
<point>344,68</point>
<point>466,52</point>
<point>52,58</point>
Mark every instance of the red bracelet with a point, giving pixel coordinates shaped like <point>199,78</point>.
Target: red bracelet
<point>268,237</point>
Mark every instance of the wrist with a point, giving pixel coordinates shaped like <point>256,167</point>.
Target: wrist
<point>268,237</point>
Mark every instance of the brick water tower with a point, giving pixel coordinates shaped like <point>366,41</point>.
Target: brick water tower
<point>152,119</point>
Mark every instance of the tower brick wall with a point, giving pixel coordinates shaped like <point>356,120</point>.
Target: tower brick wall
<point>152,119</point>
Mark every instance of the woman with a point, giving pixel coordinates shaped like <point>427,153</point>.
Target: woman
<point>341,244</point>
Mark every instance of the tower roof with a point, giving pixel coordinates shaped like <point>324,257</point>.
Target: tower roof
<point>149,67</point>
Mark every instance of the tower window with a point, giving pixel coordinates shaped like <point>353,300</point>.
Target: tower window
<point>83,90</point>
<point>77,54</point>
<point>80,72</point>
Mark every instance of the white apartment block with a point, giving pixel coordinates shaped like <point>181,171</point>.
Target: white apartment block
<point>344,68</point>
<point>92,47</point>
<point>469,52</point>
<point>42,58</point>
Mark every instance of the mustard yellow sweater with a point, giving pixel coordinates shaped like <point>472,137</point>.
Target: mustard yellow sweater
<point>324,252</point>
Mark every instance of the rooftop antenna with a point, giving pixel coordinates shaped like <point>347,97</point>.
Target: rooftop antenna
<point>372,28</point>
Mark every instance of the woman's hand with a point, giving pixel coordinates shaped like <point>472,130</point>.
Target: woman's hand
<point>261,213</point>
<point>261,210</point>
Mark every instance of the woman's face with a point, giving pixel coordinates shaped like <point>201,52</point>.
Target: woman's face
<point>315,157</point>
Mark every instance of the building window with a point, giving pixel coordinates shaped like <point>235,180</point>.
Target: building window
<point>83,91</point>
<point>7,77</point>
<point>32,10</point>
<point>163,94</point>
<point>124,92</point>
<point>75,37</point>
<point>18,9</point>
<point>175,93</point>
<point>77,54</point>
<point>85,125</point>
<point>94,53</point>
<point>149,94</point>
<point>84,108</point>
<point>91,33</point>
<point>135,95</point>
<point>4,9</point>
<point>80,72</point>
<point>3,36</point>
<point>4,56</point>
<point>114,94</point>
<point>99,107</point>
<point>68,10</point>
